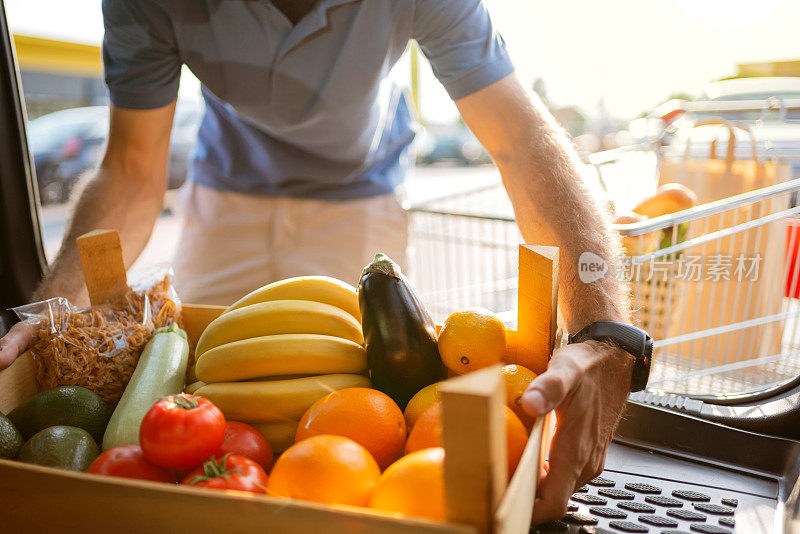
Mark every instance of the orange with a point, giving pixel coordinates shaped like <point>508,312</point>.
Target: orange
<point>367,416</point>
<point>424,399</point>
<point>428,433</point>
<point>517,379</point>
<point>472,339</point>
<point>516,439</point>
<point>326,469</point>
<point>413,486</point>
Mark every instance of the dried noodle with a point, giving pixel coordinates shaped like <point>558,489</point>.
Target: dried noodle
<point>98,347</point>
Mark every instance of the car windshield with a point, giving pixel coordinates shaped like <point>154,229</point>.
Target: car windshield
<point>51,131</point>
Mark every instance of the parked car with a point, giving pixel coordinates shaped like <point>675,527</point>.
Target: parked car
<point>65,144</point>
<point>450,143</point>
<point>772,132</point>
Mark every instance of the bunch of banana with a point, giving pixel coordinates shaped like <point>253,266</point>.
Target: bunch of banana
<point>278,350</point>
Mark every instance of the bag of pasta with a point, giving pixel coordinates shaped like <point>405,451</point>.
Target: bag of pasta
<point>98,347</point>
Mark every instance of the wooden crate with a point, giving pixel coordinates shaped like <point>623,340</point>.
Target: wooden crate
<point>479,499</point>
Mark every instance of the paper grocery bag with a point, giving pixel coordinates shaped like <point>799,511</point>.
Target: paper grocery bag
<point>714,302</point>
<point>741,279</point>
<point>714,179</point>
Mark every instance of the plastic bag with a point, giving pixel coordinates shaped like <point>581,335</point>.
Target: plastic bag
<point>98,347</point>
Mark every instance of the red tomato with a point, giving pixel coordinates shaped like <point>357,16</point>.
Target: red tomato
<point>181,431</point>
<point>128,461</point>
<point>180,474</point>
<point>244,440</point>
<point>229,472</point>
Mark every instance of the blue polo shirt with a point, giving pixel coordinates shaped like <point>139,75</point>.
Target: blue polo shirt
<point>301,110</point>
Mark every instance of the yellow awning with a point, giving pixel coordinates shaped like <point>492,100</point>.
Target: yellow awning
<point>57,57</point>
<point>769,68</point>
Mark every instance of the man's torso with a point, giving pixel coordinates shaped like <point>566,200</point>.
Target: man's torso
<point>299,109</point>
<point>312,93</point>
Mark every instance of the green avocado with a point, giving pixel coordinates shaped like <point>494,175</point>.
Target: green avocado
<point>64,447</point>
<point>65,405</point>
<point>10,439</point>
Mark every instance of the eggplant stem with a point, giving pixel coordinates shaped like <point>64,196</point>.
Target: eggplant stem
<point>383,264</point>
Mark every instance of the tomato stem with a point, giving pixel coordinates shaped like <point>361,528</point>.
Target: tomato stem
<point>184,401</point>
<point>213,468</point>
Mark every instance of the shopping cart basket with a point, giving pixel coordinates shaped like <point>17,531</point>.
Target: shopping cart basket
<point>728,323</point>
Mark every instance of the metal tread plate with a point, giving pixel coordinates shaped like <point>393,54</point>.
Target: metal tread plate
<point>642,492</point>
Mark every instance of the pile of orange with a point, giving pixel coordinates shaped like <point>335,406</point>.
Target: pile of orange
<point>356,447</point>
<point>342,444</point>
<point>367,416</point>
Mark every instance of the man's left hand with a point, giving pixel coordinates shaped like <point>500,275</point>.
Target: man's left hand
<point>586,384</point>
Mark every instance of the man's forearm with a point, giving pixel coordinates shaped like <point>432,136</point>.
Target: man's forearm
<point>553,206</point>
<point>586,383</point>
<point>115,199</point>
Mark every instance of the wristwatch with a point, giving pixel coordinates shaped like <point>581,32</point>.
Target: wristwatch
<point>632,340</point>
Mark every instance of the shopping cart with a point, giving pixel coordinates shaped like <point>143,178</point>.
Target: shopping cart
<point>463,252</point>
<point>732,329</point>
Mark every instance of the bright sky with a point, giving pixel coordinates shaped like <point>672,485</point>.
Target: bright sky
<point>631,54</point>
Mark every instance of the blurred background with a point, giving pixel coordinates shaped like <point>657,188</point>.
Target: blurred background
<point>603,68</point>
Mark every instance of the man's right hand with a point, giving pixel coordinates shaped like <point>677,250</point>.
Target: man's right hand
<point>15,342</point>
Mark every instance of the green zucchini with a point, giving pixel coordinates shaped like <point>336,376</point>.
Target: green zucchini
<point>160,372</point>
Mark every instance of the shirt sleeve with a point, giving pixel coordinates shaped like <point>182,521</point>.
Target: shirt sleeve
<point>460,41</point>
<point>141,61</point>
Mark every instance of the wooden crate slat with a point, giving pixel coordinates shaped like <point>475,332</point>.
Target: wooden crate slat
<point>103,265</point>
<point>513,515</point>
<point>17,383</point>
<point>196,317</point>
<point>78,502</point>
<point>474,436</point>
<point>537,306</point>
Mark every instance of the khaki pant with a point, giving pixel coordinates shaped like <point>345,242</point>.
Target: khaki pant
<point>233,243</point>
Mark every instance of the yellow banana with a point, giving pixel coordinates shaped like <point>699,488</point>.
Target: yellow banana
<point>194,386</point>
<point>316,288</point>
<point>282,354</point>
<point>191,375</point>
<point>275,400</point>
<point>280,434</point>
<point>279,317</point>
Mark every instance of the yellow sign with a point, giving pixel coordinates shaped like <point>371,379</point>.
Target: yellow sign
<point>57,57</point>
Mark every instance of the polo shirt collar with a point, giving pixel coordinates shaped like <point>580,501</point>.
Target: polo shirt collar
<point>314,21</point>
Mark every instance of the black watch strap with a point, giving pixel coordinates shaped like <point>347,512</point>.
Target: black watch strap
<point>632,340</point>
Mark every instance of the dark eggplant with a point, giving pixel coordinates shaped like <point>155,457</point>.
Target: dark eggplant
<point>400,336</point>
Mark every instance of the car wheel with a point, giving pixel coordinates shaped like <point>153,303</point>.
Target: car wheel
<point>52,193</point>
<point>54,187</point>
